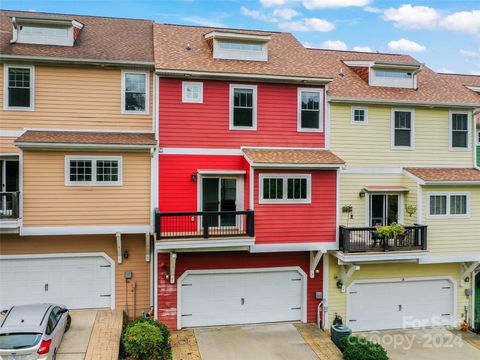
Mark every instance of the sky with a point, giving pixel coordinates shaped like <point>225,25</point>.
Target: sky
<point>443,34</point>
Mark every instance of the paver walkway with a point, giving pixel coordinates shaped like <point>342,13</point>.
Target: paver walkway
<point>184,345</point>
<point>105,339</point>
<point>319,341</point>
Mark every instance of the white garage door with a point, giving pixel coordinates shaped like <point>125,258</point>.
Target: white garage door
<point>400,304</point>
<point>241,297</point>
<point>77,282</point>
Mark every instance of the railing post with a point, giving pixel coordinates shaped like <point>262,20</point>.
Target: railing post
<point>15,205</point>
<point>346,239</point>
<point>250,223</point>
<point>158,225</point>
<point>424,237</point>
<point>206,224</point>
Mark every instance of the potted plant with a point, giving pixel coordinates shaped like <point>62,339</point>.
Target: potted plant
<point>390,233</point>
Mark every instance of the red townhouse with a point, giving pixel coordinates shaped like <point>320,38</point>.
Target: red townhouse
<point>247,188</point>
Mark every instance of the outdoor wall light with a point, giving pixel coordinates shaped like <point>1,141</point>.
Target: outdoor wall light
<point>194,177</point>
<point>362,194</point>
<point>125,254</point>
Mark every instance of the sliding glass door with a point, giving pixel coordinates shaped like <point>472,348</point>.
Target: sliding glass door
<point>384,209</point>
<point>220,194</point>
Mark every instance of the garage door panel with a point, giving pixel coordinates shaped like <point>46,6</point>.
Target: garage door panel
<point>241,298</point>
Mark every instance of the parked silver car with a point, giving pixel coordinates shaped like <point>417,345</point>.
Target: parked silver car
<point>33,332</point>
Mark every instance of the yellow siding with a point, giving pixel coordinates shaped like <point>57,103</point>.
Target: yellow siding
<point>352,184</point>
<point>48,202</point>
<point>449,236</point>
<point>6,145</point>
<point>370,145</point>
<point>76,98</point>
<point>337,300</point>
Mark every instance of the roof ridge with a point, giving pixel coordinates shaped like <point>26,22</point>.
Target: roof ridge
<point>222,28</point>
<point>358,52</point>
<point>459,74</point>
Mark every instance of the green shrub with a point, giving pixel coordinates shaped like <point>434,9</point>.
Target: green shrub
<point>146,339</point>
<point>358,348</point>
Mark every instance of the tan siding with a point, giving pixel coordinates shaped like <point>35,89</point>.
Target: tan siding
<point>76,98</point>
<point>6,145</point>
<point>370,145</point>
<point>135,244</point>
<point>48,202</point>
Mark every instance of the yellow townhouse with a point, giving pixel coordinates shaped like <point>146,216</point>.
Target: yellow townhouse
<point>409,199</point>
<point>77,161</point>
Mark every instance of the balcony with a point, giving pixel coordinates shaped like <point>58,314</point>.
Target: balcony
<point>9,214</point>
<point>367,240</point>
<point>203,225</point>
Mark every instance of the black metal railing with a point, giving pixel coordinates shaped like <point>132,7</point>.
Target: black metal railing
<point>9,205</point>
<point>204,224</point>
<point>366,239</point>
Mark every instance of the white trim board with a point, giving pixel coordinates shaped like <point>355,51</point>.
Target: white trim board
<point>11,133</point>
<point>84,230</point>
<point>222,244</point>
<point>305,246</point>
<point>87,254</point>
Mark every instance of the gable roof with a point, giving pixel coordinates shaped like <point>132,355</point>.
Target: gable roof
<point>286,56</point>
<point>441,175</point>
<point>102,39</point>
<point>433,88</point>
<point>291,157</point>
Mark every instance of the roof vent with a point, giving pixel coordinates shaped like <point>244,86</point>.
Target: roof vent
<point>188,47</point>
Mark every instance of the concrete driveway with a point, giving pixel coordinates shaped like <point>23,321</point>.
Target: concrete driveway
<point>75,342</point>
<point>265,341</point>
<point>425,344</point>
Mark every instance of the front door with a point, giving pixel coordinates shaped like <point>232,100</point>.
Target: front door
<point>220,194</point>
<point>383,209</point>
<point>9,176</point>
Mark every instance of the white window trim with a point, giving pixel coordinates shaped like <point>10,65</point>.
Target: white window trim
<point>32,88</point>
<point>450,131</point>
<point>147,93</point>
<point>365,121</point>
<point>299,109</point>
<point>185,99</point>
<point>254,103</point>
<point>94,182</point>
<point>412,130</point>
<point>285,178</point>
<point>448,215</point>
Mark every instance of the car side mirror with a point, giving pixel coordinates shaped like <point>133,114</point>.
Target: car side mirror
<point>3,312</point>
<point>62,311</point>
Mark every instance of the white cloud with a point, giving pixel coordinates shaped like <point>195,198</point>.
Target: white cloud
<point>334,45</point>
<point>333,4</point>
<point>308,44</point>
<point>362,48</point>
<point>307,24</point>
<point>256,14</point>
<point>464,21</point>
<point>413,17</point>
<point>32,10</point>
<point>406,45</point>
<point>373,10</point>
<point>285,13</point>
<point>469,53</point>
<point>446,71</point>
<point>269,3</point>
<point>203,21</point>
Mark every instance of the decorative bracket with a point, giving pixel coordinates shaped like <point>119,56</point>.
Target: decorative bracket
<point>346,273</point>
<point>467,270</point>
<point>315,257</point>
<point>119,248</point>
<point>147,247</point>
<point>173,262</point>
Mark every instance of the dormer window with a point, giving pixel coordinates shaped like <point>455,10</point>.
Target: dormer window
<point>60,32</point>
<point>238,46</point>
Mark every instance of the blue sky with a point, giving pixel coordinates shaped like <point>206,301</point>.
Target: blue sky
<point>444,34</point>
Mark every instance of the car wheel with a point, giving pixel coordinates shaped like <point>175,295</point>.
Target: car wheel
<point>69,322</point>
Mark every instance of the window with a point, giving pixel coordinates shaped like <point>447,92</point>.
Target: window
<point>285,188</point>
<point>19,88</point>
<point>227,45</point>
<point>135,92</point>
<point>243,107</point>
<point>310,114</point>
<point>449,204</point>
<point>393,78</point>
<point>393,74</point>
<point>403,136</point>
<point>192,92</point>
<point>359,116</point>
<point>93,170</point>
<point>47,35</point>
<point>459,131</point>
<point>243,49</point>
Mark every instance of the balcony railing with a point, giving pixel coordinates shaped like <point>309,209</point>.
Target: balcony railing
<point>8,205</point>
<point>204,224</point>
<point>366,239</point>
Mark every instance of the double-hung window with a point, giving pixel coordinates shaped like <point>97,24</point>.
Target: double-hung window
<point>310,114</point>
<point>403,130</point>
<point>285,188</point>
<point>243,107</point>
<point>93,170</point>
<point>448,205</point>
<point>459,131</point>
<point>135,92</point>
<point>19,88</point>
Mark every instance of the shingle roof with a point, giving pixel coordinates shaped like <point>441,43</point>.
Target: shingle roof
<point>432,87</point>
<point>289,156</point>
<point>86,137</point>
<point>286,56</point>
<point>102,38</point>
<point>446,174</point>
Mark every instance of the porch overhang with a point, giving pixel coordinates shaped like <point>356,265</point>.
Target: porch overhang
<point>409,256</point>
<point>385,189</point>
<point>217,244</point>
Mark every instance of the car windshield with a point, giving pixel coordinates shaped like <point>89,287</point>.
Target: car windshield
<point>19,340</point>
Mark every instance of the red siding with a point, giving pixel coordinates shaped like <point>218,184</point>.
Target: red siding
<point>187,125</point>
<point>286,223</point>
<point>167,293</point>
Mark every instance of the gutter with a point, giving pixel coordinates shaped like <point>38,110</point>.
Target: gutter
<point>30,145</point>
<point>339,99</point>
